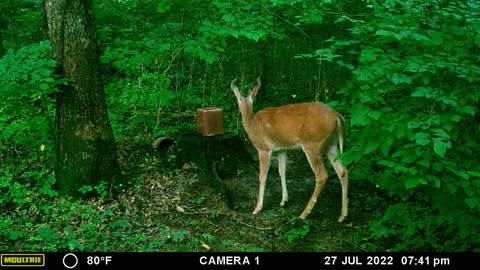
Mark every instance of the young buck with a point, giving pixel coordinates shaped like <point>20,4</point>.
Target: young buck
<point>313,127</point>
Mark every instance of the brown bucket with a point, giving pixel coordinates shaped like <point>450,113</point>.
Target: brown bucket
<point>210,121</point>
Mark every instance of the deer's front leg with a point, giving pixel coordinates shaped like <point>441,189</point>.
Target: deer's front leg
<point>264,159</point>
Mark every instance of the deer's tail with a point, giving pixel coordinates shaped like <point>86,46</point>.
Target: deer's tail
<point>340,119</point>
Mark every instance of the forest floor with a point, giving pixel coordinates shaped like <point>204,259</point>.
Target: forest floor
<point>178,205</point>
<point>170,207</point>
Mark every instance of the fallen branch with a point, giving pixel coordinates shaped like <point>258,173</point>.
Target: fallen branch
<point>252,226</point>
<point>182,210</point>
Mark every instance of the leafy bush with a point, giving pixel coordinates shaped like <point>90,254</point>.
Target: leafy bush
<point>28,82</point>
<point>408,226</point>
<point>26,121</point>
<point>414,78</point>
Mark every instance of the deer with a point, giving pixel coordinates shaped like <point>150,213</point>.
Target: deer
<point>312,126</point>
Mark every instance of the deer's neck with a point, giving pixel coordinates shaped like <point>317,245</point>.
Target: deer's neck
<point>247,118</point>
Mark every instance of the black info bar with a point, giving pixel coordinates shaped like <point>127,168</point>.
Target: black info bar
<point>219,260</point>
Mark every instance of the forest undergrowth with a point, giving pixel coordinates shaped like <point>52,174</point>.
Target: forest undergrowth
<point>173,210</point>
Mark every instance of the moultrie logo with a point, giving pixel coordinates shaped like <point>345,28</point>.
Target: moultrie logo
<point>22,259</point>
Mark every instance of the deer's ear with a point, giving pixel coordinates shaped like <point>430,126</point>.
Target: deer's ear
<point>235,90</point>
<point>254,91</point>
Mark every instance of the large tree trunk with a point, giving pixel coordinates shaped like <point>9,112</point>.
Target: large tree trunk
<point>85,146</point>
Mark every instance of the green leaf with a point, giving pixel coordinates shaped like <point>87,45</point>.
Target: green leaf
<point>439,147</point>
<point>252,35</point>
<point>48,80</point>
<point>179,235</point>
<point>384,33</point>
<point>387,163</point>
<point>437,38</point>
<point>370,55</point>
<point>436,181</point>
<point>412,182</point>
<point>360,115</point>
<point>374,114</point>
<point>422,138</point>
<point>398,78</point>
<point>45,72</point>
<point>120,223</point>
<point>14,235</point>
<point>469,110</point>
<point>473,201</point>
<point>386,144</point>
<point>470,190</point>
<point>74,244</point>
<point>439,132</point>
<point>475,174</point>
<point>326,54</point>
<point>454,118</point>
<point>371,146</point>
<point>228,18</point>
<point>44,86</point>
<point>422,92</point>
<point>207,55</point>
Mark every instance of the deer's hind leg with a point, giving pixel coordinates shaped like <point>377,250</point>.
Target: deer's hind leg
<point>342,174</point>
<point>282,165</point>
<point>316,163</point>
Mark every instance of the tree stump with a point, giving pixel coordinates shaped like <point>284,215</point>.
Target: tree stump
<point>219,157</point>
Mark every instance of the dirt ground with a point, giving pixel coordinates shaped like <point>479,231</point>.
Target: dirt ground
<point>179,199</point>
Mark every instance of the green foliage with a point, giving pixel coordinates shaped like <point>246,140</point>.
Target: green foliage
<point>175,236</point>
<point>28,82</point>
<point>99,190</point>
<point>165,57</point>
<point>140,99</point>
<point>404,73</point>
<point>407,226</point>
<point>28,85</point>
<point>297,233</point>
<point>414,74</point>
<point>20,24</point>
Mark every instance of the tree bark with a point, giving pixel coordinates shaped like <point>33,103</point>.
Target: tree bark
<point>85,147</point>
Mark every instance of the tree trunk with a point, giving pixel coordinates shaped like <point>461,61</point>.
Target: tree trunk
<point>263,67</point>
<point>85,146</point>
<point>2,50</point>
